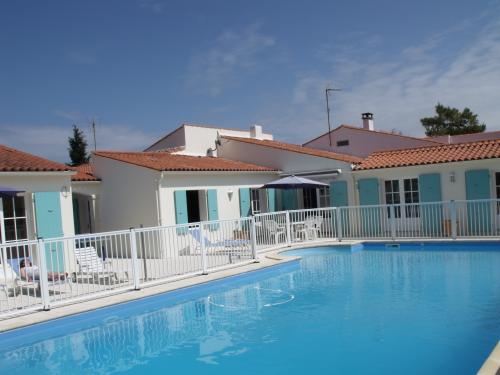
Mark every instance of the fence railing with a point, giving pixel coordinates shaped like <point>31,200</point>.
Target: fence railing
<point>45,273</point>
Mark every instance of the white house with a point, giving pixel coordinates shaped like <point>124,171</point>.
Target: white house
<point>161,188</point>
<point>293,159</point>
<point>362,141</point>
<point>36,201</point>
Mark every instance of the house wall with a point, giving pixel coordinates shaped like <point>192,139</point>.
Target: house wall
<point>174,139</point>
<point>449,190</point>
<point>228,207</point>
<point>43,182</point>
<point>362,143</point>
<point>128,194</point>
<point>198,139</point>
<point>286,161</point>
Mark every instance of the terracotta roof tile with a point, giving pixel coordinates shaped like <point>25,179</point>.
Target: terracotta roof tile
<point>84,173</point>
<point>432,155</point>
<point>299,149</point>
<point>164,161</point>
<point>13,160</point>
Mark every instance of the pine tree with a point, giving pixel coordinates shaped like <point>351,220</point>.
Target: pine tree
<point>77,147</point>
<point>452,121</point>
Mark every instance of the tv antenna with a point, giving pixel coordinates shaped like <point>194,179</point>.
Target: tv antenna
<point>92,125</point>
<point>327,92</point>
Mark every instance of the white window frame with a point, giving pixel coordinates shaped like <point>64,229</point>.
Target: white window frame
<point>401,210</point>
<point>324,196</point>
<point>14,218</point>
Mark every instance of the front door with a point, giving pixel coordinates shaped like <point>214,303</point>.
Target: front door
<point>49,225</point>
<point>404,195</point>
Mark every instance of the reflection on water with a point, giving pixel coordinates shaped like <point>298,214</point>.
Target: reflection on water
<point>365,293</point>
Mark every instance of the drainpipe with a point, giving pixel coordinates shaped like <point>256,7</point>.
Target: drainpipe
<point>158,200</point>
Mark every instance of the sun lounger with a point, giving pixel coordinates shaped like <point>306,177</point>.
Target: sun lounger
<point>91,265</point>
<point>8,280</point>
<point>229,247</point>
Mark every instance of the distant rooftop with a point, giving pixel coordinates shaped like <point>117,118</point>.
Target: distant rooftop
<point>165,161</point>
<point>13,160</point>
<point>298,149</point>
<point>432,155</point>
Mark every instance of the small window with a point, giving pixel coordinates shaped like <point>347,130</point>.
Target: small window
<point>344,142</point>
<point>255,200</point>
<point>392,196</point>
<point>324,196</point>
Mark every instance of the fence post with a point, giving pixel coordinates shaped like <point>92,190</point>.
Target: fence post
<point>392,214</point>
<point>135,259</point>
<point>44,287</point>
<point>453,218</point>
<point>288,231</point>
<point>203,251</point>
<point>338,221</point>
<point>253,239</point>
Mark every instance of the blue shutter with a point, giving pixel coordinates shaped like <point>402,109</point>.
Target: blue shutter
<point>213,213</point>
<point>245,202</point>
<point>289,199</point>
<point>477,186</point>
<point>181,216</point>
<point>338,198</point>
<point>369,195</point>
<point>49,225</point>
<point>431,216</point>
<point>271,200</point>
<point>338,194</point>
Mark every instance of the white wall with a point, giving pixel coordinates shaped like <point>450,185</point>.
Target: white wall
<point>224,182</point>
<point>43,182</point>
<point>174,139</point>
<point>449,190</point>
<point>128,194</point>
<point>286,161</point>
<point>198,139</point>
<point>362,143</point>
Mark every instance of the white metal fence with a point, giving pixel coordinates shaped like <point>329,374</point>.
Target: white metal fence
<point>45,273</point>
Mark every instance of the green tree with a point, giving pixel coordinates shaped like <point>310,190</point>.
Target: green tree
<point>452,121</point>
<point>77,147</point>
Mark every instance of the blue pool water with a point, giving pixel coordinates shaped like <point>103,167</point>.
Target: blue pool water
<point>431,309</point>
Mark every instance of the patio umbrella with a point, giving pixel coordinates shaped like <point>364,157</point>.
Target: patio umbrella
<point>293,182</point>
<point>10,192</point>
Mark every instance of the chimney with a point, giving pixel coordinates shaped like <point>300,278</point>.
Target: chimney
<point>367,120</point>
<point>256,131</point>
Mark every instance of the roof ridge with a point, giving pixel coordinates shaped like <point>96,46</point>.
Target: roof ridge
<point>309,150</point>
<point>449,145</point>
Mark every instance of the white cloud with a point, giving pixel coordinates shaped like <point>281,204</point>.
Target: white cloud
<point>459,67</point>
<point>52,141</point>
<point>232,53</point>
<point>153,5</point>
<point>81,57</point>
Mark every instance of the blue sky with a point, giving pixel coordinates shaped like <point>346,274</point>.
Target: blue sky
<point>143,67</point>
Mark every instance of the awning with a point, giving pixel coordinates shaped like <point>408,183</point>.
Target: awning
<point>293,182</point>
<point>10,192</point>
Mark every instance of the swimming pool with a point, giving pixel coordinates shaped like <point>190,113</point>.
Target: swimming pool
<point>415,309</point>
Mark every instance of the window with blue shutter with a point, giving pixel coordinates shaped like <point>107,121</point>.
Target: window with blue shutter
<point>369,195</point>
<point>431,216</point>
<point>213,213</point>
<point>245,209</point>
<point>477,186</point>
<point>271,200</point>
